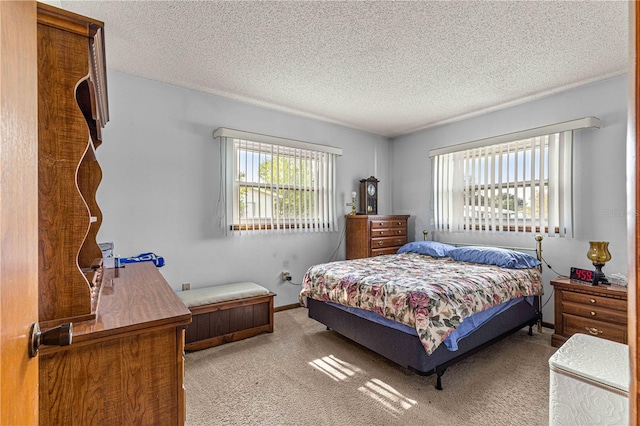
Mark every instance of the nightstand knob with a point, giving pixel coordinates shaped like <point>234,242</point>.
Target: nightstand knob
<point>379,243</point>
<point>593,314</point>
<point>592,300</point>
<point>593,330</point>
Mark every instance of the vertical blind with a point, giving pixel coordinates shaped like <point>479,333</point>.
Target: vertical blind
<point>514,185</point>
<point>519,186</point>
<point>289,186</point>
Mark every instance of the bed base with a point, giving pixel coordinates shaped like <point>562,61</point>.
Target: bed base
<point>406,349</point>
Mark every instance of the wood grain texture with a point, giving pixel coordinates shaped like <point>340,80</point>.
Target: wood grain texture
<point>126,380</point>
<point>126,366</point>
<point>138,298</point>
<point>580,307</point>
<point>373,235</point>
<point>18,211</point>
<point>63,59</point>
<point>229,321</point>
<point>89,177</point>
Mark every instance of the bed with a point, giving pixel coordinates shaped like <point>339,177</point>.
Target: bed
<point>431,304</point>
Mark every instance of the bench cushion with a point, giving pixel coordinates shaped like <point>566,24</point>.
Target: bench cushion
<point>221,293</point>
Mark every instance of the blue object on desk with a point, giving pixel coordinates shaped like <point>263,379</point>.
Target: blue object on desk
<point>144,257</point>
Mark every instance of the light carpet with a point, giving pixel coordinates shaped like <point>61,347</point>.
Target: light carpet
<point>302,374</point>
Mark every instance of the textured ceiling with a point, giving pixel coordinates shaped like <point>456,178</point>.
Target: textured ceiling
<point>388,68</point>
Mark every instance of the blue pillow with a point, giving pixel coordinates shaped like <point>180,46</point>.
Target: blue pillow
<point>494,256</point>
<point>429,248</point>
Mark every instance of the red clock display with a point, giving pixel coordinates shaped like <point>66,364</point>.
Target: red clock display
<point>583,275</point>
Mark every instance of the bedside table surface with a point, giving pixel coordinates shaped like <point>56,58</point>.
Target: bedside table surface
<point>611,290</point>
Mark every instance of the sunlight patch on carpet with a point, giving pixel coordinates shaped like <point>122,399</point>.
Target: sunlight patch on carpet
<point>392,400</point>
<point>335,368</point>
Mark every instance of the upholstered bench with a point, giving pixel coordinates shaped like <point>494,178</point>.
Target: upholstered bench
<point>226,313</point>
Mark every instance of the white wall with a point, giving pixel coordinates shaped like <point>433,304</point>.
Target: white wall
<point>161,177</point>
<point>599,177</point>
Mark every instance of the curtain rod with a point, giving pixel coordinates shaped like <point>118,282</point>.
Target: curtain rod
<point>580,123</point>
<point>274,140</point>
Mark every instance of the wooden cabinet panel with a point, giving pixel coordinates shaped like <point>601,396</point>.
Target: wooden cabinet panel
<point>63,218</point>
<point>125,364</point>
<point>374,235</point>
<point>582,308</point>
<point>129,380</point>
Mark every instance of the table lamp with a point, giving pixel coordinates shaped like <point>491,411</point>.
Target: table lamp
<point>599,254</point>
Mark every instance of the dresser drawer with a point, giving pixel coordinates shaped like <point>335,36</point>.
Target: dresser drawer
<point>377,243</point>
<point>383,223</point>
<point>592,300</point>
<point>380,252</point>
<point>595,312</point>
<point>573,324</point>
<point>389,232</point>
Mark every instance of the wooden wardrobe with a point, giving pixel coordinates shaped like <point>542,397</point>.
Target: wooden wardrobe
<point>125,362</point>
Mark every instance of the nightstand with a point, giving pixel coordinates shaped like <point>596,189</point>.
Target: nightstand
<point>582,308</point>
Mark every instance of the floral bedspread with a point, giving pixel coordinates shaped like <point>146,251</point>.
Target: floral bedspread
<point>432,295</point>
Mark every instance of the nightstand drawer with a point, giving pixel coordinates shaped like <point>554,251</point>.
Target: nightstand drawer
<point>573,324</point>
<point>592,300</point>
<point>377,243</point>
<point>595,312</point>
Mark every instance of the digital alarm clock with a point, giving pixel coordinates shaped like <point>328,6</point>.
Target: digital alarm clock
<point>584,275</point>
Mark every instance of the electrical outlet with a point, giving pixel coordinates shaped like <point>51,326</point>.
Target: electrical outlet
<point>286,276</point>
<point>186,286</point>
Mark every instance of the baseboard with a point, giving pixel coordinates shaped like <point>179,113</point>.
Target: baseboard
<point>548,325</point>
<point>286,307</point>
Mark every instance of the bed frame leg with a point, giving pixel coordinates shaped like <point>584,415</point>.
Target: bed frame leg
<point>439,373</point>
<point>531,330</point>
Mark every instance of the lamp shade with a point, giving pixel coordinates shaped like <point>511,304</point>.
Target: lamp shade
<point>598,252</point>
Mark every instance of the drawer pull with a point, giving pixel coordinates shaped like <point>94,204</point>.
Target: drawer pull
<point>398,242</point>
<point>379,243</point>
<point>593,330</point>
<point>593,314</point>
<point>592,300</point>
<point>399,232</point>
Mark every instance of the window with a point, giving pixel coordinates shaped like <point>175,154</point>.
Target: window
<point>508,184</point>
<point>275,184</point>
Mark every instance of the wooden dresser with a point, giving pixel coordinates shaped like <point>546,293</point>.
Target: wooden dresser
<point>125,362</point>
<point>126,367</point>
<point>582,308</point>
<point>374,235</point>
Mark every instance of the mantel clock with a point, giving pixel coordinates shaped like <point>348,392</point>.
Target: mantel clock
<point>369,195</point>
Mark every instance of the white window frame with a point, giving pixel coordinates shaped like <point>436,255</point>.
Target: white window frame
<point>311,188</point>
<point>487,167</point>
